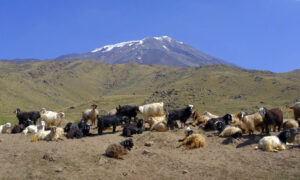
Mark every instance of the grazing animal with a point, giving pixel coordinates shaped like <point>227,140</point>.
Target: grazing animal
<point>179,114</point>
<point>274,143</point>
<point>127,110</point>
<point>18,128</point>
<point>227,130</point>
<point>134,128</point>
<point>52,118</point>
<point>296,109</point>
<point>77,130</point>
<point>118,150</point>
<point>91,114</point>
<point>271,117</point>
<point>289,124</point>
<point>253,122</point>
<point>110,120</point>
<point>193,141</point>
<point>152,110</point>
<point>34,128</point>
<point>4,128</point>
<point>158,123</point>
<point>27,118</point>
<point>202,120</point>
<point>212,123</point>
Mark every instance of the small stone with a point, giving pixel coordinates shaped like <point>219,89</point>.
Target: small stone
<point>0,140</point>
<point>52,159</point>
<point>149,143</point>
<point>185,172</point>
<point>146,152</point>
<point>46,156</point>
<point>59,170</point>
<point>124,173</point>
<point>102,161</point>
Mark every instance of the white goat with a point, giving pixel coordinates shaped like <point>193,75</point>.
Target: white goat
<point>52,118</point>
<point>34,128</point>
<point>4,128</point>
<point>91,114</point>
<point>152,110</point>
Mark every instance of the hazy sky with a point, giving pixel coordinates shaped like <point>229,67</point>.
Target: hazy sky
<point>254,34</point>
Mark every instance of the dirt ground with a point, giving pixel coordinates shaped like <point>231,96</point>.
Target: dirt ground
<point>84,158</point>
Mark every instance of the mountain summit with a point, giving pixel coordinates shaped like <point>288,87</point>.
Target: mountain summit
<point>162,50</point>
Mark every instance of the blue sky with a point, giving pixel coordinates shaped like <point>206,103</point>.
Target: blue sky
<point>253,34</point>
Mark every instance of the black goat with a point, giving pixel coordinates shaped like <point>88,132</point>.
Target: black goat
<point>134,128</point>
<point>212,123</point>
<point>127,144</point>
<point>288,135</point>
<point>179,114</point>
<point>18,128</point>
<point>26,118</point>
<point>127,110</point>
<point>110,120</point>
<point>77,130</point>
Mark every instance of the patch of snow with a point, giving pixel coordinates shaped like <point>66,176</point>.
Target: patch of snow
<point>163,38</point>
<point>119,45</point>
<point>165,47</point>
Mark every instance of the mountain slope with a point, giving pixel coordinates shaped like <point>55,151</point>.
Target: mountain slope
<point>157,50</point>
<point>216,88</point>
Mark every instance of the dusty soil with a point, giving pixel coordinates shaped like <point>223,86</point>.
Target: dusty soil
<point>84,158</point>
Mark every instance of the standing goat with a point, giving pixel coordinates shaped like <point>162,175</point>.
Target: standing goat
<point>91,114</point>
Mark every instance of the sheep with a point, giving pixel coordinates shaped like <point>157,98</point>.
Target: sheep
<point>271,117</point>
<point>227,130</point>
<point>212,123</point>
<point>110,120</point>
<point>289,124</point>
<point>127,110</point>
<point>118,150</point>
<point>275,143</point>
<point>179,114</point>
<point>136,128</point>
<point>54,134</point>
<point>34,128</point>
<point>77,130</point>
<point>18,128</point>
<point>193,141</point>
<point>152,110</point>
<point>202,120</point>
<point>296,109</point>
<point>52,118</point>
<point>252,122</point>
<point>158,123</point>
<point>91,114</point>
<point>27,118</point>
<point>4,128</point>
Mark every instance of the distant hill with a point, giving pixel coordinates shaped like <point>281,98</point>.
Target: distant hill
<point>71,86</point>
<point>20,61</point>
<point>152,50</point>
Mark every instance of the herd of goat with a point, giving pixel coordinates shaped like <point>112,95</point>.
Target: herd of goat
<point>159,119</point>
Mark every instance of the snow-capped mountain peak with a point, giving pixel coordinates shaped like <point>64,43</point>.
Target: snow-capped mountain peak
<point>162,50</point>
